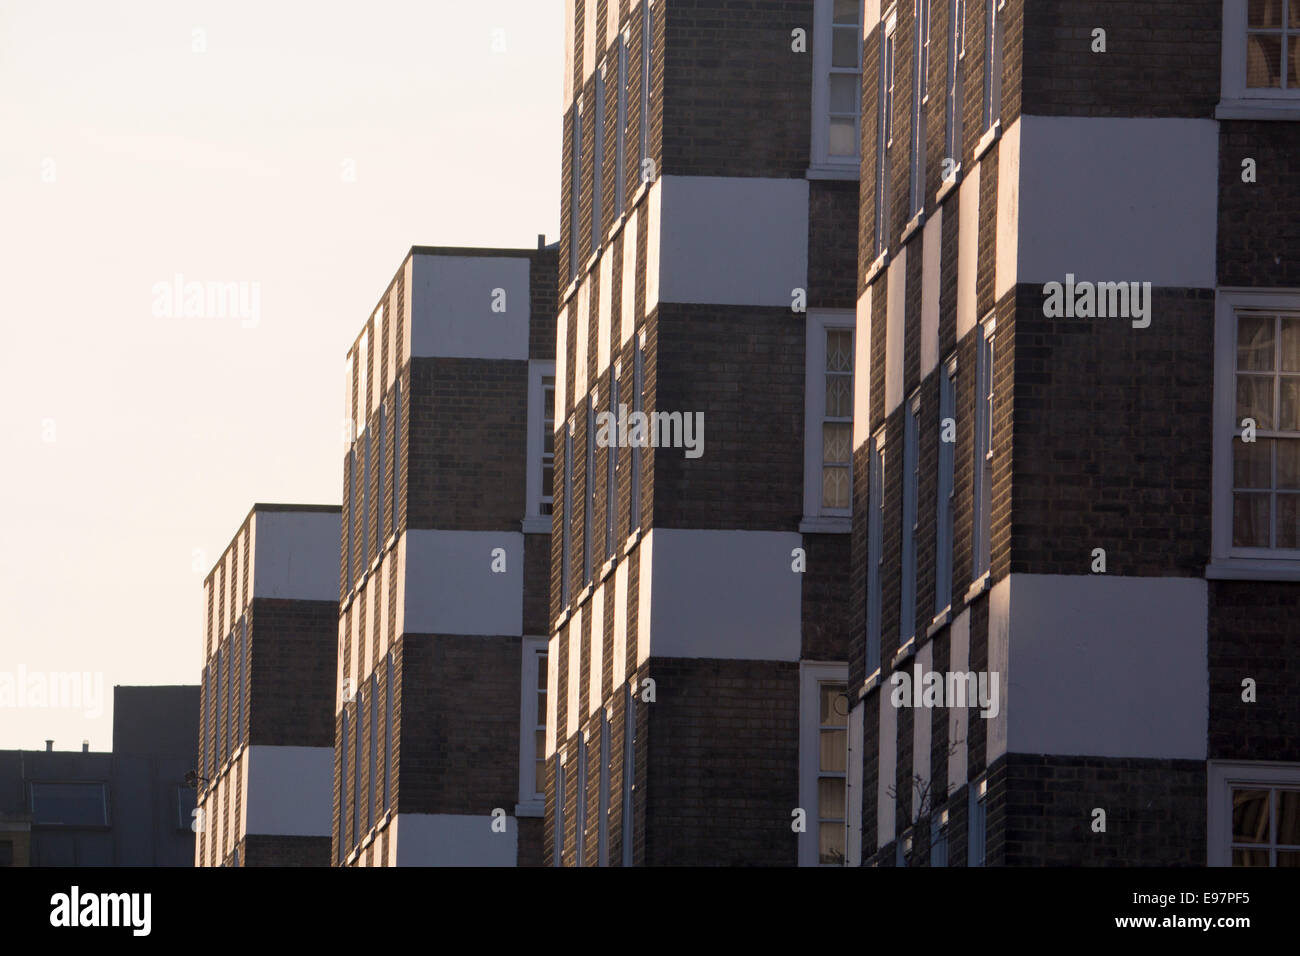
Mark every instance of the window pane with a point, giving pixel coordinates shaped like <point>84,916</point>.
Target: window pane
<point>539,776</point>
<point>1252,465</point>
<point>69,804</point>
<point>843,137</point>
<point>1249,816</point>
<point>1288,414</point>
<point>847,11</point>
<point>845,91</point>
<point>832,844</point>
<point>1291,327</point>
<point>1288,521</point>
<point>835,487</point>
<point>1288,464</point>
<point>834,750</point>
<point>1250,521</point>
<point>1288,859</point>
<point>1255,400</point>
<point>1265,13</point>
<point>1264,61</point>
<point>844,49</point>
<point>1288,817</point>
<point>839,397</point>
<point>839,350</point>
<point>1255,343</point>
<point>1250,857</point>
<point>834,705</point>
<point>541,710</point>
<point>830,798</point>
<point>835,441</point>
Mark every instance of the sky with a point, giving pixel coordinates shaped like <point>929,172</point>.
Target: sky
<point>296,149</point>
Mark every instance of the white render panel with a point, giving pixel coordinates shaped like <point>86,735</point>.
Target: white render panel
<point>862,371</point>
<point>452,307</point>
<point>1142,202</point>
<point>552,696</point>
<point>1008,211</point>
<point>644,609</point>
<point>999,618</point>
<point>581,334</point>
<point>409,279</point>
<point>399,625</point>
<point>296,555</point>
<point>454,589</point>
<point>723,594</point>
<point>596,652</point>
<point>958,717</point>
<point>604,318</point>
<point>619,663</point>
<point>895,319</point>
<point>570,28</point>
<point>290,791</point>
<point>1108,666</point>
<point>888,769</point>
<point>931,279</point>
<point>573,708</point>
<point>611,23</point>
<point>871,18</point>
<point>561,366</point>
<point>968,248</point>
<point>628,302</point>
<point>588,40</point>
<point>451,839</point>
<point>653,244</point>
<point>730,241</point>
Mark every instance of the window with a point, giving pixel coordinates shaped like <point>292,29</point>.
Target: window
<point>956,71</point>
<point>351,514</point>
<point>647,57</point>
<point>597,159</point>
<point>823,763</point>
<point>1261,60</point>
<point>357,793</point>
<point>620,143</point>
<point>390,694</point>
<point>993,63</point>
<point>343,786</point>
<point>629,765</point>
<point>611,466</point>
<point>541,447</point>
<point>219,709</point>
<point>828,426</point>
<point>210,679</point>
<point>567,537</point>
<point>373,697</point>
<point>580,805</point>
<point>532,727</point>
<point>983,485</point>
<point>977,810</point>
<point>875,550</point>
<point>365,503</point>
<point>885,123</point>
<point>379,472</point>
<point>241,651</point>
<point>939,839</point>
<point>575,190</point>
<point>1257,482</point>
<point>920,96</point>
<point>1254,814</point>
<point>602,810</point>
<point>228,745</point>
<point>944,499</point>
<point>397,455</point>
<point>837,88</point>
<point>70,804</point>
<point>560,808</point>
<point>911,489</point>
<point>638,399</point>
<point>589,494</point>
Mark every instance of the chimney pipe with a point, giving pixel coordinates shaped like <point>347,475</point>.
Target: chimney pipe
<point>541,240</point>
<point>49,746</point>
<point>85,746</point>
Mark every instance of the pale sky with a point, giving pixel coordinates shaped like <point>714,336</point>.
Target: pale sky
<point>133,441</point>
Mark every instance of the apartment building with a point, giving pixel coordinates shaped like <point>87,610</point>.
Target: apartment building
<point>1077,435</point>
<point>131,806</point>
<point>699,622</point>
<point>441,626</point>
<point>266,738</point>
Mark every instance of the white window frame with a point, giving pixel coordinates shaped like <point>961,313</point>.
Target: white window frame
<point>823,165</point>
<point>602,810</point>
<point>598,162</point>
<point>876,465</point>
<point>580,804</point>
<point>977,822</point>
<point>811,677</point>
<point>994,48</point>
<point>532,803</point>
<point>911,518</point>
<point>647,77</point>
<point>620,147</point>
<point>1223,776</point>
<point>816,518</point>
<point>638,405</point>
<point>954,86</point>
<point>575,195</point>
<point>611,465</point>
<point>589,493</point>
<point>920,97</point>
<point>885,121</point>
<point>982,484</point>
<point>535,522</point>
<point>566,541</point>
<point>394,510</point>
<point>629,766</point>
<point>1239,101</point>
<point>945,498</point>
<point>1263,564</point>
<point>561,807</point>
